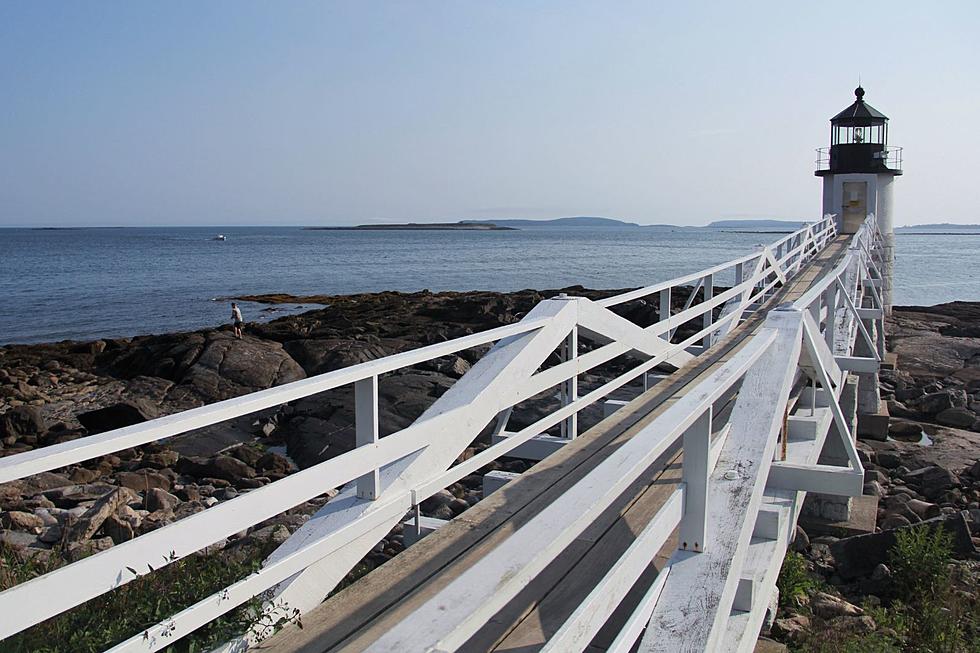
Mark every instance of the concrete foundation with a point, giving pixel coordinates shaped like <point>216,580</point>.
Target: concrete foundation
<point>537,448</point>
<point>610,406</point>
<point>412,533</point>
<point>874,426</point>
<point>827,506</point>
<point>493,481</point>
<point>862,516</point>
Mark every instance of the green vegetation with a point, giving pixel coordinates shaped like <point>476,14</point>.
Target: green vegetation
<point>919,561</point>
<point>115,616</point>
<point>928,611</point>
<point>794,583</point>
<point>932,607</point>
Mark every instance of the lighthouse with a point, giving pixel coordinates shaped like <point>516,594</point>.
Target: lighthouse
<point>858,171</point>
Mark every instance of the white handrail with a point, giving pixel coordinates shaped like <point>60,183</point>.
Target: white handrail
<point>75,583</point>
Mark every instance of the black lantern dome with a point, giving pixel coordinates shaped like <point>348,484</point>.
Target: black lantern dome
<point>859,142</point>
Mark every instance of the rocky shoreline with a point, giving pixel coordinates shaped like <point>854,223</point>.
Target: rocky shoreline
<point>926,473</point>
<point>53,393</point>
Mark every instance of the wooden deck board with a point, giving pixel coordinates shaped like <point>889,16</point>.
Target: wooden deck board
<point>353,618</point>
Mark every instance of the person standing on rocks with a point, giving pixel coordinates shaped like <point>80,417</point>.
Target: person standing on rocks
<point>237,321</point>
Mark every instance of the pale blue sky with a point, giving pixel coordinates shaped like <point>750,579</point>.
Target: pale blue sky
<point>208,113</point>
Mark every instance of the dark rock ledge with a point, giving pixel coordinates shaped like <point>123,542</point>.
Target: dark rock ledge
<point>926,474</point>
<point>53,393</point>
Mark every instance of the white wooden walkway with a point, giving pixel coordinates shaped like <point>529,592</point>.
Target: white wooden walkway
<point>443,593</point>
<point>565,558</point>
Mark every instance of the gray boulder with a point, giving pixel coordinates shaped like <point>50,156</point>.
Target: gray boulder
<point>325,354</point>
<point>92,519</point>
<point>157,499</point>
<point>221,467</point>
<point>19,422</point>
<point>934,355</point>
<point>937,402</point>
<point>858,556</point>
<point>931,481</point>
<point>889,459</point>
<point>143,480</point>
<point>957,417</point>
<point>322,426</point>
<point>229,367</point>
<point>117,416</point>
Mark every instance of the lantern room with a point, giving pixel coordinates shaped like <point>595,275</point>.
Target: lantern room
<point>859,142</point>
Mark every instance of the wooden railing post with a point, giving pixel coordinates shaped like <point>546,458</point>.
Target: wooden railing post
<point>695,472</point>
<point>664,307</point>
<point>831,300</point>
<point>569,388</point>
<point>709,316</point>
<point>366,431</point>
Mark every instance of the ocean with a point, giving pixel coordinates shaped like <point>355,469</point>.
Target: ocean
<point>115,282</point>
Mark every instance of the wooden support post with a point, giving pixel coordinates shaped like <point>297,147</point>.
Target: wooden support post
<point>697,441</point>
<point>569,388</point>
<point>366,431</point>
<point>709,316</point>
<point>815,309</point>
<point>665,312</point>
<point>831,329</point>
<point>880,333</point>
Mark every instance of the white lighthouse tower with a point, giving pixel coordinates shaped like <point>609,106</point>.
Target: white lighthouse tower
<point>858,170</point>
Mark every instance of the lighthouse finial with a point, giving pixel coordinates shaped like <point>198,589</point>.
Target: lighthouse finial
<point>859,93</point>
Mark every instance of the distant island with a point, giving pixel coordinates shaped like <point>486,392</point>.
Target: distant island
<point>512,224</point>
<point>764,225</point>
<point>941,229</point>
<point>419,226</point>
<point>580,221</point>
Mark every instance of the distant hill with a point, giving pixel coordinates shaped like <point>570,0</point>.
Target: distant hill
<point>767,225</point>
<point>420,226</point>
<point>940,228</point>
<point>581,221</point>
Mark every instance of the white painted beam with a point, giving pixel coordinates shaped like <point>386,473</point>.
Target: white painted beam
<point>696,470</point>
<point>858,364</point>
<point>694,607</point>
<point>450,617</point>
<point>451,423</point>
<point>366,432</point>
<point>537,448</point>
<point>579,629</point>
<point>870,313</point>
<point>825,479</point>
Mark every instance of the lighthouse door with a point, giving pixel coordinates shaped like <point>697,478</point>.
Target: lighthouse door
<point>855,205</point>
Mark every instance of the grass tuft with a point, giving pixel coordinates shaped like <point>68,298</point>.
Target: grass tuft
<point>144,602</point>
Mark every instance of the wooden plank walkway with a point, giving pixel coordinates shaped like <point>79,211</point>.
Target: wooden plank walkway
<point>354,618</point>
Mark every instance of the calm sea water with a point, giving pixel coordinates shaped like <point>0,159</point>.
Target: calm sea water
<point>91,283</point>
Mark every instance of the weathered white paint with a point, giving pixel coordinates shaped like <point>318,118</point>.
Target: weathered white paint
<point>879,201</point>
<point>385,477</point>
<point>366,431</point>
<point>637,622</point>
<point>448,619</point>
<point>576,633</point>
<point>696,470</point>
<point>696,601</point>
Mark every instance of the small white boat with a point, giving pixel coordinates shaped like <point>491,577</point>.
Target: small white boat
<point>219,237</point>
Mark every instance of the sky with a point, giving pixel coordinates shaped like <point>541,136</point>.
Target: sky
<point>322,113</point>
